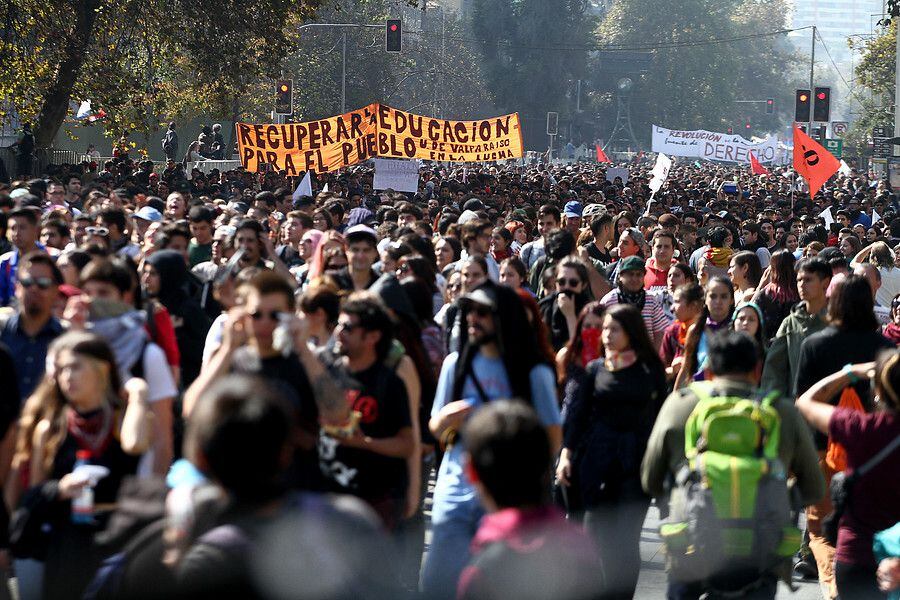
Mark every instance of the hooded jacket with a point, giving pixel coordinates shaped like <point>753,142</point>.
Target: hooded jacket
<point>530,554</point>
<point>783,356</point>
<point>190,321</point>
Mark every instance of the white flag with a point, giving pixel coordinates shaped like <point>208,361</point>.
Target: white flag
<point>325,189</point>
<point>826,214</point>
<point>875,217</point>
<point>844,169</point>
<point>83,110</point>
<point>660,172</point>
<point>304,188</point>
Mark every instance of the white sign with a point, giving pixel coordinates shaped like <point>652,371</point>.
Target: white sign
<point>660,172</point>
<point>613,172</point>
<point>826,214</point>
<point>839,127</point>
<point>397,175</point>
<point>722,147</point>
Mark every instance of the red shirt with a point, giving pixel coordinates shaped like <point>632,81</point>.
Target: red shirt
<point>656,277</point>
<point>875,499</point>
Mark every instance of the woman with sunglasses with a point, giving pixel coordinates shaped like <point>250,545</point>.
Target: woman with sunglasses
<point>80,412</point>
<point>605,435</point>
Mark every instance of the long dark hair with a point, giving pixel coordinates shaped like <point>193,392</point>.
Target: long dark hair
<point>631,321</point>
<point>516,340</point>
<point>783,273</point>
<point>695,332</point>
<point>851,307</point>
<point>750,260</point>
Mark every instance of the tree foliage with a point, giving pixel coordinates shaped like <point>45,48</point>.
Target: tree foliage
<point>697,86</point>
<point>138,60</point>
<point>533,51</point>
<point>875,76</point>
<point>433,74</point>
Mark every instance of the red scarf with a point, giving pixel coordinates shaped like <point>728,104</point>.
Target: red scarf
<point>892,332</point>
<point>92,431</point>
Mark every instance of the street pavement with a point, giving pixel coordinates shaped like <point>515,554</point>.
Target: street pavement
<point>652,582</point>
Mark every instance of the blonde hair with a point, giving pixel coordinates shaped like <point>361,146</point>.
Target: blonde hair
<point>47,403</point>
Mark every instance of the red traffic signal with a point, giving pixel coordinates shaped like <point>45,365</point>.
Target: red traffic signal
<point>393,35</point>
<point>822,105</point>
<point>770,106</point>
<point>747,126</point>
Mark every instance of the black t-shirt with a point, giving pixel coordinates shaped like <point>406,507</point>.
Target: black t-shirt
<point>598,254</point>
<point>827,351</point>
<point>379,395</point>
<point>288,375</point>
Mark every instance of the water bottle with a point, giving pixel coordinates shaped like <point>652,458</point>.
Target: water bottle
<point>83,503</point>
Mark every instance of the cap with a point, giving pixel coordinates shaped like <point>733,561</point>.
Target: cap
<point>632,263</point>
<point>360,231</point>
<point>148,213</point>
<point>572,209</point>
<point>481,295</point>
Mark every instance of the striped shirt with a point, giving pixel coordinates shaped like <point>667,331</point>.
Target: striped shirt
<point>654,315</point>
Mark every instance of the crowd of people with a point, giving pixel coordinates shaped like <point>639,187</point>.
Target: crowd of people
<point>218,387</point>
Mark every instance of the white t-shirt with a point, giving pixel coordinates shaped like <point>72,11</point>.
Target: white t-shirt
<point>161,384</point>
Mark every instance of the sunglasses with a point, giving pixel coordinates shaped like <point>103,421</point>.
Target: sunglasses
<point>347,326</point>
<point>571,282</point>
<point>480,310</point>
<point>273,315</point>
<point>101,231</point>
<point>44,283</point>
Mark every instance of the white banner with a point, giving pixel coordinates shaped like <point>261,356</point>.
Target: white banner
<point>712,146</point>
<point>397,175</point>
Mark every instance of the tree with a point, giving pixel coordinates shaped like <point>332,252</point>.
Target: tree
<point>533,51</point>
<point>138,59</point>
<point>696,86</point>
<point>429,77</point>
<point>875,74</point>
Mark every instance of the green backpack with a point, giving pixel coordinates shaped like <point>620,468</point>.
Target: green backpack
<point>730,506</point>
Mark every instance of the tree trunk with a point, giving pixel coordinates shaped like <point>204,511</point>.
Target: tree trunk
<point>56,99</point>
<point>235,116</point>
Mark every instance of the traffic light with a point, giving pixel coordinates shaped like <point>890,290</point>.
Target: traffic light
<point>770,106</point>
<point>747,126</point>
<point>393,35</point>
<point>801,107</point>
<point>284,97</point>
<point>822,104</point>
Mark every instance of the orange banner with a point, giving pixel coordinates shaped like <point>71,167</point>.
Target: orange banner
<point>375,130</point>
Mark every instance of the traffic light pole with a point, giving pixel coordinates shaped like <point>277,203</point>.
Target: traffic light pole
<point>812,88</point>
<point>343,52</point>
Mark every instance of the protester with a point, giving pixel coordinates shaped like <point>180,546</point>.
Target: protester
<point>874,498</point>
<point>733,361</point>
<point>523,547</point>
<point>607,425</point>
<point>630,290</point>
<point>498,358</point>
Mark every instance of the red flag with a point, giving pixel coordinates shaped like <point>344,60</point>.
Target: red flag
<point>756,167</point>
<point>601,156</point>
<point>812,161</point>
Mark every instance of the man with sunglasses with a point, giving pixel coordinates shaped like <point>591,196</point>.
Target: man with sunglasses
<point>259,337</point>
<point>369,460</point>
<point>29,331</point>
<point>23,232</point>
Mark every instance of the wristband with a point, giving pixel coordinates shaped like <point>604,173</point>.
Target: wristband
<point>847,371</point>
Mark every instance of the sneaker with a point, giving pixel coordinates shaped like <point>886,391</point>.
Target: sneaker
<point>806,568</point>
